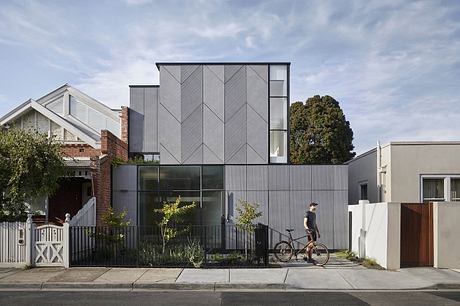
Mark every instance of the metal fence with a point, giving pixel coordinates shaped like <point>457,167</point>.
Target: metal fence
<point>179,246</point>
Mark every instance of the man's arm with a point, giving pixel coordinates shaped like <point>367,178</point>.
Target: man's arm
<point>317,230</point>
<point>305,223</point>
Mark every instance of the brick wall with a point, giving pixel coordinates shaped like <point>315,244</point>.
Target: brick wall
<point>79,150</point>
<point>124,121</point>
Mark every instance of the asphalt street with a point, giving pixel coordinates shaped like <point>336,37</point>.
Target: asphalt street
<point>197,298</point>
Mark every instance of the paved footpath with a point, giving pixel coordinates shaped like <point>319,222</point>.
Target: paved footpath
<point>285,278</point>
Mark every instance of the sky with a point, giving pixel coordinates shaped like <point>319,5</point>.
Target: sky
<point>394,66</point>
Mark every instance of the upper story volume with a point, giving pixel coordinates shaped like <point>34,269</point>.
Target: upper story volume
<point>213,113</point>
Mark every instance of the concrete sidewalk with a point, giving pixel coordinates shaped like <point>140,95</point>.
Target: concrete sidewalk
<point>290,278</point>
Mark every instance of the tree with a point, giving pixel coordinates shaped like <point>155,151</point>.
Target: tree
<point>247,213</point>
<point>320,133</point>
<point>30,166</point>
<point>172,214</point>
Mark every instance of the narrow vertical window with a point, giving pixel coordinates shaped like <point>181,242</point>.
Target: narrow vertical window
<point>278,113</point>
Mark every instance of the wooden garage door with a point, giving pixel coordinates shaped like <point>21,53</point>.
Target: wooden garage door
<point>416,234</point>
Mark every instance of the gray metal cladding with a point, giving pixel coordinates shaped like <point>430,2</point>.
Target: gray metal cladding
<point>300,177</point>
<point>136,119</point>
<point>151,120</point>
<point>191,90</point>
<point>126,200</point>
<point>170,137</point>
<point>192,140</point>
<point>170,90</point>
<point>257,137</point>
<point>341,177</point>
<point>235,177</point>
<point>279,210</point>
<point>278,177</point>
<point>235,137</point>
<point>299,201</point>
<point>124,178</point>
<point>322,177</point>
<point>235,92</point>
<point>213,137</point>
<point>325,215</point>
<point>232,199</point>
<point>257,177</point>
<point>341,219</point>
<point>257,94</point>
<point>261,198</point>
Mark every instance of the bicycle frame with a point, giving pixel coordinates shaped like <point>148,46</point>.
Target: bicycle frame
<point>292,240</point>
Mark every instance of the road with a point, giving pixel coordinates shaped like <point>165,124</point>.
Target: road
<point>197,298</point>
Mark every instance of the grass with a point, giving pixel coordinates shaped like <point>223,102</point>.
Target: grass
<point>366,262</point>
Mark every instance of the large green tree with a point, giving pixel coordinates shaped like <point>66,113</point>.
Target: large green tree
<point>320,133</point>
<point>30,167</point>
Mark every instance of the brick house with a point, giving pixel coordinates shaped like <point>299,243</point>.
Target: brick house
<point>92,135</point>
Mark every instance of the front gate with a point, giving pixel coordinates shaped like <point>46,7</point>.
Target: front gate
<point>416,234</point>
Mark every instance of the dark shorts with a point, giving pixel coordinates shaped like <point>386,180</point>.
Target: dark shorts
<point>313,235</point>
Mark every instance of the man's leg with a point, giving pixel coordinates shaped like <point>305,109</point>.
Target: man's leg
<point>309,248</point>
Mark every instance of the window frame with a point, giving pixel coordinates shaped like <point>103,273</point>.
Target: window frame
<point>447,187</point>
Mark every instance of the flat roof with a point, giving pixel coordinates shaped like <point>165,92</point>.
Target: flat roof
<point>158,64</point>
<point>143,86</point>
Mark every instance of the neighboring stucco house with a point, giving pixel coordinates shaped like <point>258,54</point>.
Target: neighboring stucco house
<point>406,172</point>
<point>220,132</point>
<point>91,135</point>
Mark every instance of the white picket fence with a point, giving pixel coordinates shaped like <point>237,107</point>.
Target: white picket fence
<point>86,216</point>
<point>12,243</point>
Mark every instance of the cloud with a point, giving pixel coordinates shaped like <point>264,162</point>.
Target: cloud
<point>393,66</point>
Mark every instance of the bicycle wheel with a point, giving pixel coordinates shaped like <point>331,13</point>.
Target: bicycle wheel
<point>320,254</point>
<point>283,251</point>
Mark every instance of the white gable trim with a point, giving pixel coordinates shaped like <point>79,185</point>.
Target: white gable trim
<point>66,125</point>
<point>15,113</point>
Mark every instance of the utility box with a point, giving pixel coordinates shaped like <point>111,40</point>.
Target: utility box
<point>261,240</point>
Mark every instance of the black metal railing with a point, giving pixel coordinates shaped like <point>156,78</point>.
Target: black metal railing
<point>149,246</point>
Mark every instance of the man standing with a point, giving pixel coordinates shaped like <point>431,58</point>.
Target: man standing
<point>309,223</point>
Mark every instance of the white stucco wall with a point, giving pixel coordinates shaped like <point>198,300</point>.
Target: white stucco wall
<point>446,228</point>
<point>377,235</point>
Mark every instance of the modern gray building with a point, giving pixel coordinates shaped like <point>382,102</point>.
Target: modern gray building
<point>220,133</point>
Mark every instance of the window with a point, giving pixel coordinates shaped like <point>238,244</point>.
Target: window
<point>148,178</point>
<point>433,189</point>
<point>278,113</point>
<point>213,177</point>
<point>180,178</point>
<point>455,189</point>
<point>363,192</point>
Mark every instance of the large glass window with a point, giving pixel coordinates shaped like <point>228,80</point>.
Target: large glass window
<point>278,113</point>
<point>213,177</point>
<point>148,178</point>
<point>180,178</point>
<point>212,207</point>
<point>148,202</point>
<point>455,189</point>
<point>433,189</point>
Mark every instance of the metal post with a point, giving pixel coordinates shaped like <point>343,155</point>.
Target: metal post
<point>29,240</point>
<point>66,241</point>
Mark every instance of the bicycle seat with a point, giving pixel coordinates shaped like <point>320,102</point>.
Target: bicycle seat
<point>289,230</point>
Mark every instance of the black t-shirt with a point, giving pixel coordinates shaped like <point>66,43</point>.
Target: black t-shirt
<point>311,220</point>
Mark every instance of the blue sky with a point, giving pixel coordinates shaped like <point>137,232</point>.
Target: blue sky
<point>394,66</point>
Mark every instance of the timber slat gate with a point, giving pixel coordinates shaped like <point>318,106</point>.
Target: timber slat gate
<point>416,234</point>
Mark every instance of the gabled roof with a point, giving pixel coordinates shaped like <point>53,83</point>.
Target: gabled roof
<point>80,129</point>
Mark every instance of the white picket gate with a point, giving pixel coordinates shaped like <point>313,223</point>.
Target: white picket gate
<point>51,245</point>
<point>12,243</point>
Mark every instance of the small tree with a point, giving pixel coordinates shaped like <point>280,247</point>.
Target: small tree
<point>114,233</point>
<point>247,213</point>
<point>172,214</point>
<point>30,167</point>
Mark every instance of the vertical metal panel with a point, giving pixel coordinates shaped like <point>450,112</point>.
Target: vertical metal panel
<point>235,177</point>
<point>213,137</point>
<point>300,177</point>
<point>191,90</point>
<point>278,177</point>
<point>322,177</point>
<point>235,92</point>
<point>191,138</point>
<point>126,200</point>
<point>124,177</point>
<point>235,138</point>
<point>170,137</point>
<point>232,198</point>
<point>213,89</point>
<point>257,137</point>
<point>257,177</point>
<point>325,216</point>
<point>257,89</point>
<point>136,119</point>
<point>341,177</point>
<point>279,209</point>
<point>340,219</point>
<point>170,90</point>
<point>261,198</point>
<point>151,120</point>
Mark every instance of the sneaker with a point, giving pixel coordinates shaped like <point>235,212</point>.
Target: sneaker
<point>306,259</point>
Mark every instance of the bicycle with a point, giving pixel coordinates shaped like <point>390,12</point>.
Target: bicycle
<point>284,250</point>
